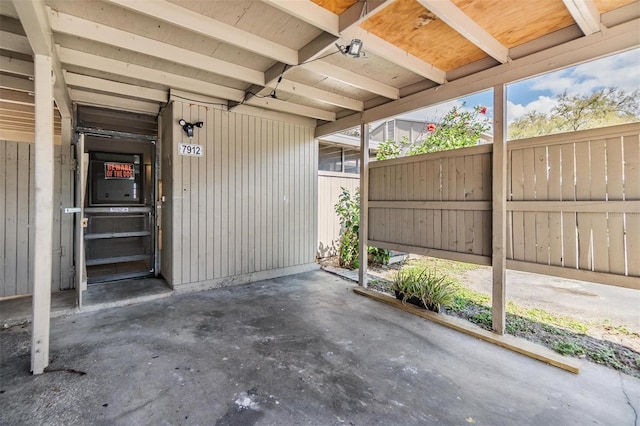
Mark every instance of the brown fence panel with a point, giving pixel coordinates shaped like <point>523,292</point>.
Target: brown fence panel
<point>574,205</point>
<point>437,204</point>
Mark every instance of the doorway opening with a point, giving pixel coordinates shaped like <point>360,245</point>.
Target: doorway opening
<point>118,226</point>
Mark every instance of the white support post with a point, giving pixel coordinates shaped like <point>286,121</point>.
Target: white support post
<point>499,205</point>
<point>43,216</point>
<point>364,204</point>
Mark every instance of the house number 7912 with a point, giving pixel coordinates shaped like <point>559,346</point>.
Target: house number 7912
<point>191,149</point>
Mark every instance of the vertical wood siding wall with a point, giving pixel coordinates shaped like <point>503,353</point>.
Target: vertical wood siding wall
<point>437,204</point>
<point>573,208</point>
<point>248,205</point>
<point>330,186</point>
<point>16,216</point>
<point>575,201</point>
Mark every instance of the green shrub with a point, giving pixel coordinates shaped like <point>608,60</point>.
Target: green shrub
<point>432,289</point>
<point>348,210</point>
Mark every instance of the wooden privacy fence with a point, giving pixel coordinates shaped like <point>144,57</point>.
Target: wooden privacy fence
<point>573,205</point>
<point>330,186</point>
<point>17,161</point>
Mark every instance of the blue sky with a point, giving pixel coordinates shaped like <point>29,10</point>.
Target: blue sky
<point>537,94</point>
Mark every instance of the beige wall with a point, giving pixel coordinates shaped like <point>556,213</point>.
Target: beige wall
<point>330,186</point>
<point>16,217</point>
<point>247,209</point>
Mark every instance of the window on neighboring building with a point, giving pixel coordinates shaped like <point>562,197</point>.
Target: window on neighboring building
<point>330,158</point>
<point>351,161</point>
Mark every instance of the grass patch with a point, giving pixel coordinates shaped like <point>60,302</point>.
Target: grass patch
<point>568,348</point>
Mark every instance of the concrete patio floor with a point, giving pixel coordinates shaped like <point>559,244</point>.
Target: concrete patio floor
<point>299,350</point>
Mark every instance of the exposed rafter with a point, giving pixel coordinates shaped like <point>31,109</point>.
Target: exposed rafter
<point>99,99</point>
<point>15,97</point>
<point>448,12</point>
<point>388,51</point>
<point>34,19</point>
<point>16,83</point>
<point>353,79</point>
<point>208,27</point>
<point>15,43</point>
<point>283,106</point>
<point>585,13</point>
<point>89,30</point>
<point>114,87</point>
<point>87,60</point>
<point>319,95</point>
<point>310,13</point>
<point>16,66</point>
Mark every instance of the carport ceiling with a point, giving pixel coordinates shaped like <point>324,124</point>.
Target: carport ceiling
<point>281,54</point>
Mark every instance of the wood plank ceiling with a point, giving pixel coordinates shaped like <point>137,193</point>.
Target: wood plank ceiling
<point>280,54</point>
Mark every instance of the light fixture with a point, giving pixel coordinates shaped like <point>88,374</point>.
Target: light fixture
<point>354,49</point>
<point>188,127</point>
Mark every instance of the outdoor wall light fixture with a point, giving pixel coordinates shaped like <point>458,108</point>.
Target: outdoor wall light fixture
<point>188,127</point>
<point>354,49</point>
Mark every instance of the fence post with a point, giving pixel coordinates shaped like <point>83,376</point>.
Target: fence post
<point>364,204</point>
<point>499,213</point>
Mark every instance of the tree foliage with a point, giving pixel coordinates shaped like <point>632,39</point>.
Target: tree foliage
<point>456,129</point>
<point>604,107</point>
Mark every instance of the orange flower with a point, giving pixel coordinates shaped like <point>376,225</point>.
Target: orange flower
<point>483,110</point>
<point>431,127</point>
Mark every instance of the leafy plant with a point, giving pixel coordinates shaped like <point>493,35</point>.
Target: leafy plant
<point>432,289</point>
<point>380,255</point>
<point>457,128</point>
<point>387,150</point>
<point>348,210</point>
<point>568,348</point>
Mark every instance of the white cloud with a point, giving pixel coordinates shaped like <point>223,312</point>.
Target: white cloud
<point>619,70</point>
<point>542,104</point>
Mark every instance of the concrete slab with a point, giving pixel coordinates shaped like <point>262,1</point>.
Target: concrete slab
<point>297,350</point>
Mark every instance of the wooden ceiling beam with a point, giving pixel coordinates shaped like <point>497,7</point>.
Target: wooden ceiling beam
<point>100,63</point>
<point>16,83</point>
<point>78,27</point>
<point>35,21</point>
<point>451,15</point>
<point>585,13</point>
<point>16,66</point>
<point>8,96</point>
<point>384,49</point>
<point>353,79</point>
<point>102,100</point>
<point>319,95</point>
<point>310,13</point>
<point>114,87</point>
<point>15,43</point>
<point>291,108</point>
<point>209,27</point>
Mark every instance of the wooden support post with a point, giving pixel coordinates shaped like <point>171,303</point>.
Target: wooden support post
<point>66,200</point>
<point>43,213</point>
<point>499,239</point>
<point>364,204</point>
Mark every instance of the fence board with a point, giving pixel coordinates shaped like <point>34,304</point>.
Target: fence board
<point>600,246</point>
<point>541,193</point>
<point>632,192</point>
<point>554,193</point>
<point>517,193</point>
<point>583,192</point>
<point>567,191</point>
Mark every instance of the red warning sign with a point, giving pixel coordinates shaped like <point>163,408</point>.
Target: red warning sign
<point>119,171</point>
